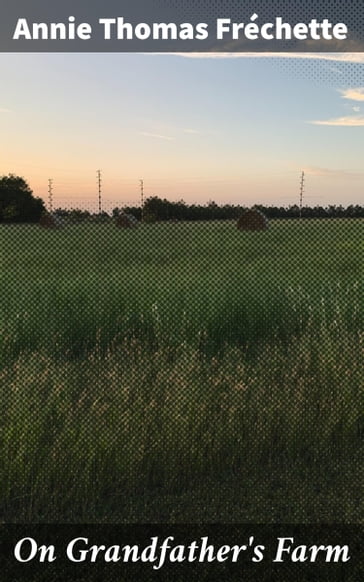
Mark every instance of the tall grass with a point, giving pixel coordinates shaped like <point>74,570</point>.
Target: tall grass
<point>79,433</point>
<point>153,360</point>
<point>68,291</point>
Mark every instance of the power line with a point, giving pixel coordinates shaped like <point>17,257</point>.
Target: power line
<point>142,197</point>
<point>50,195</point>
<point>302,187</point>
<point>99,187</point>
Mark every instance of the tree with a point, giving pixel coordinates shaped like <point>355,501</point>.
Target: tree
<point>17,203</point>
<point>156,209</point>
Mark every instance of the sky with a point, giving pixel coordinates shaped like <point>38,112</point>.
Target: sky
<point>237,130</point>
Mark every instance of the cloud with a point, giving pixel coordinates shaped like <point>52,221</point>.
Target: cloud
<point>355,57</point>
<point>156,135</point>
<point>4,110</point>
<point>329,173</point>
<point>350,121</point>
<point>192,131</point>
<point>355,94</point>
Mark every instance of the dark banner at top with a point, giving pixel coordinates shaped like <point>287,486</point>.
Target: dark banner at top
<point>181,26</point>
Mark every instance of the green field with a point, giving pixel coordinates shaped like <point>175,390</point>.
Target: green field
<point>182,372</point>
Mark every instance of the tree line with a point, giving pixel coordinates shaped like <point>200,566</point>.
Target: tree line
<point>156,209</point>
<point>18,204</point>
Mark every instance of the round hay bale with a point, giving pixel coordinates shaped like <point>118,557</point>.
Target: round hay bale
<point>50,221</point>
<point>253,219</point>
<point>126,221</point>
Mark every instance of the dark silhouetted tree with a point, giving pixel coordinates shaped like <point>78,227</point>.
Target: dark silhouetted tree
<point>17,203</point>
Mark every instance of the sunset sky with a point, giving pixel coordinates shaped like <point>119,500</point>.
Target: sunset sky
<point>234,130</point>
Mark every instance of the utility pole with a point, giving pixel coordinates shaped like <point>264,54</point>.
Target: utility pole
<point>302,187</point>
<point>99,186</point>
<point>142,197</point>
<point>50,195</point>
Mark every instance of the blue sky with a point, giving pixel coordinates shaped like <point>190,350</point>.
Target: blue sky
<point>235,130</point>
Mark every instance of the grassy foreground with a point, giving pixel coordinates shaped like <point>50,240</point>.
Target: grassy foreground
<point>182,372</point>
